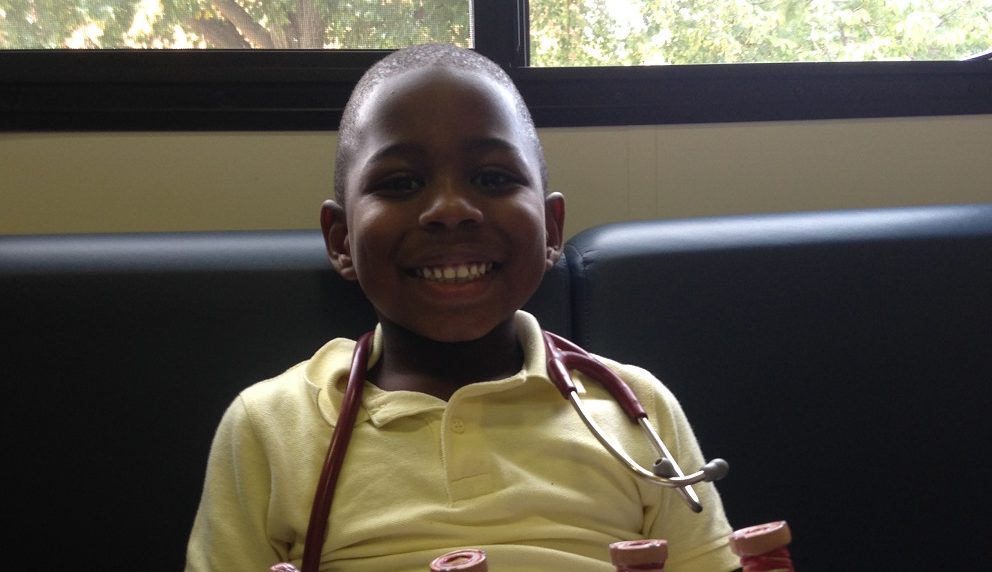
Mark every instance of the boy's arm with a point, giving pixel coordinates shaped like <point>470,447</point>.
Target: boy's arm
<point>230,532</point>
<point>702,537</point>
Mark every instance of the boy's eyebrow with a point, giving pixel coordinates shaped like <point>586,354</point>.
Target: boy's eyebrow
<point>486,143</point>
<point>475,144</point>
<point>402,148</point>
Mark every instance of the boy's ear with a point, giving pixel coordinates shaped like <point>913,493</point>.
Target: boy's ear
<point>554,226</point>
<point>335,229</point>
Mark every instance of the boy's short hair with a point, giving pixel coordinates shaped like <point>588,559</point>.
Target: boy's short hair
<point>418,57</point>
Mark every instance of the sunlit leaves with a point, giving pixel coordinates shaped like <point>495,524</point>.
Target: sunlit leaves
<point>280,24</point>
<point>563,32</point>
<point>736,31</point>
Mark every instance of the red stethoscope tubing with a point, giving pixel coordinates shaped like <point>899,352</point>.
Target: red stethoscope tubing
<point>563,355</point>
<point>321,511</point>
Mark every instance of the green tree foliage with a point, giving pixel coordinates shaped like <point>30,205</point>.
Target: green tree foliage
<point>631,32</point>
<point>563,32</point>
<point>53,23</point>
<point>271,24</point>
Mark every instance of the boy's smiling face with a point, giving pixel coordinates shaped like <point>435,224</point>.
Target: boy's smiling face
<point>447,227</point>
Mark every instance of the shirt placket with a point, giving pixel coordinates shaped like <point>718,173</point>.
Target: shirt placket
<point>468,458</point>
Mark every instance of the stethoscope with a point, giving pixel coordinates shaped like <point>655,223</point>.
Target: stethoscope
<point>562,356</point>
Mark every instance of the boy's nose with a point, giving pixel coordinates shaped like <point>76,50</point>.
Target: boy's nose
<point>450,207</point>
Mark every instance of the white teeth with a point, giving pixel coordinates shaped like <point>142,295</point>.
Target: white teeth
<point>455,274</point>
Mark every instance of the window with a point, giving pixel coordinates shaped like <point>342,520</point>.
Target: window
<point>577,62</point>
<point>659,32</point>
<point>232,24</point>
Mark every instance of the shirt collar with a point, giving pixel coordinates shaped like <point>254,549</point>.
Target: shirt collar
<point>327,374</point>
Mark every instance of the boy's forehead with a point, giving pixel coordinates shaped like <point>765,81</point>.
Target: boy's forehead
<point>396,90</point>
<point>412,109</point>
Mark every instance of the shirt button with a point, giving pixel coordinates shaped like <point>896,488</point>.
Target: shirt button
<point>457,425</point>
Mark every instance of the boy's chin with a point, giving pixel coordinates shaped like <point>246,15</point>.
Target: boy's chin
<point>455,334</point>
<point>457,330</point>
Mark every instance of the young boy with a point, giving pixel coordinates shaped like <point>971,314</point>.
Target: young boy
<point>443,217</point>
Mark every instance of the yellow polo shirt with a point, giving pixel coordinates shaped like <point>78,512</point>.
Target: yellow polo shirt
<point>506,466</point>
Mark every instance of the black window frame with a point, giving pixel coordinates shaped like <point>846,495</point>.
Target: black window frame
<point>272,90</point>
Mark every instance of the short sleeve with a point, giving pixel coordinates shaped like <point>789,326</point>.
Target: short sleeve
<point>698,542</point>
<point>229,532</point>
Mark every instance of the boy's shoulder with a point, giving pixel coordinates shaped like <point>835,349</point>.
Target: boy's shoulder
<point>653,394</point>
<point>301,384</point>
<point>280,386</point>
<point>637,377</point>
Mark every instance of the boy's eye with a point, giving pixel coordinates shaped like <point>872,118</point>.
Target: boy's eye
<point>396,186</point>
<point>493,179</point>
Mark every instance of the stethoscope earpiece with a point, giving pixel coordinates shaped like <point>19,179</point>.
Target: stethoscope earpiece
<point>715,469</point>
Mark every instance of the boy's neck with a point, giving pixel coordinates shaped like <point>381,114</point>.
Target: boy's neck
<point>414,363</point>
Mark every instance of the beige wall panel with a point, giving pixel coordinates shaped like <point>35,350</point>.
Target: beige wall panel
<point>720,169</point>
<point>589,167</point>
<point>725,169</point>
<point>642,172</point>
<point>606,174</point>
<point>120,182</point>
